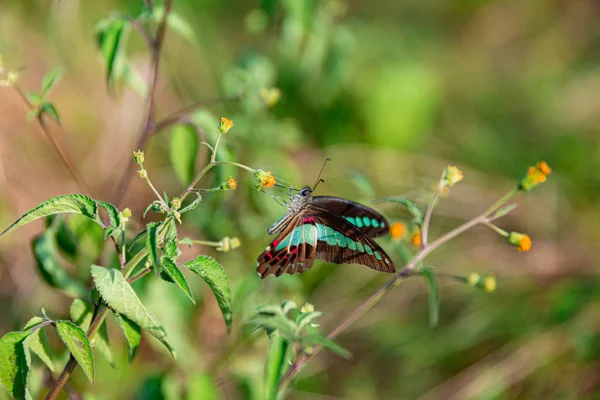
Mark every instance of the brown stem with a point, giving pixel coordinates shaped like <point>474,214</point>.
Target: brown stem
<point>64,156</point>
<point>406,272</point>
<point>148,120</point>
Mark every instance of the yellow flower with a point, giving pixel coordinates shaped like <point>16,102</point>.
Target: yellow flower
<point>139,157</point>
<point>176,203</point>
<point>307,307</point>
<point>226,125</point>
<point>489,284</point>
<point>452,175</point>
<point>270,96</point>
<point>265,179</point>
<point>535,175</point>
<point>416,239</point>
<point>125,215</point>
<point>230,184</point>
<point>521,241</point>
<point>143,173</point>
<point>235,242</point>
<point>473,279</point>
<point>397,230</point>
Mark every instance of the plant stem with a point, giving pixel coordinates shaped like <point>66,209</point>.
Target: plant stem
<point>148,120</point>
<point>64,156</point>
<point>406,272</point>
<point>501,201</point>
<point>427,219</point>
<point>208,167</point>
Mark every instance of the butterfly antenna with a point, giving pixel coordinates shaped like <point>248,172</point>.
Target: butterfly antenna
<point>319,180</point>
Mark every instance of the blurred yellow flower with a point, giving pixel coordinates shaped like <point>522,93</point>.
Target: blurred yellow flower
<point>535,175</point>
<point>230,184</point>
<point>226,125</point>
<point>489,284</point>
<point>520,241</point>
<point>139,156</point>
<point>397,230</point>
<point>416,239</point>
<point>270,96</point>
<point>265,179</point>
<point>176,203</point>
<point>143,173</point>
<point>452,175</point>
<point>307,307</point>
<point>473,279</point>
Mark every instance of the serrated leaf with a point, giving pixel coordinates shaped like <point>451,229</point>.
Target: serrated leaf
<point>434,297</point>
<point>115,219</point>
<point>52,272</point>
<point>120,297</point>
<point>183,148</point>
<point>14,364</point>
<point>170,249</point>
<point>304,319</point>
<point>111,36</point>
<point>70,203</point>
<point>152,244</point>
<point>81,312</point>
<point>192,205</point>
<point>131,331</point>
<point>170,268</point>
<point>138,238</point>
<point>78,344</point>
<point>102,343</point>
<point>275,365</point>
<point>214,275</point>
<point>50,79</point>
<point>38,343</point>
<point>410,205</point>
<point>316,339</point>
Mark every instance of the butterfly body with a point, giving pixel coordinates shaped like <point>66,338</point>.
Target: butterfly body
<point>325,228</point>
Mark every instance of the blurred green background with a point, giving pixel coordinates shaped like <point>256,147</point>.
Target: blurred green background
<point>392,91</point>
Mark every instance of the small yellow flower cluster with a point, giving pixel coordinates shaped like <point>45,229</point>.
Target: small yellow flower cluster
<point>452,175</point>
<point>229,184</point>
<point>307,308</point>
<point>227,244</point>
<point>7,78</point>
<point>264,179</point>
<point>125,215</point>
<point>535,175</point>
<point>138,157</point>
<point>488,283</point>
<point>415,239</point>
<point>176,203</point>
<point>226,125</point>
<point>397,230</point>
<point>520,241</point>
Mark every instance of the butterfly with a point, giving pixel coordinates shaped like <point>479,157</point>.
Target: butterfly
<point>324,228</point>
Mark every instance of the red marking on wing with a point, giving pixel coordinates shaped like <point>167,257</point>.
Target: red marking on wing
<point>269,256</point>
<point>309,219</point>
<point>294,250</point>
<point>275,243</point>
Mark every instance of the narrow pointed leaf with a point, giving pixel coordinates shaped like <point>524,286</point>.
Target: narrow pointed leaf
<point>214,275</point>
<point>171,269</point>
<point>78,344</point>
<point>192,205</point>
<point>37,342</point>
<point>71,203</point>
<point>120,297</point>
<point>434,297</point>
<point>14,364</point>
<point>306,318</point>
<point>51,78</point>
<point>51,111</point>
<point>183,148</point>
<point>131,332</point>
<point>275,365</point>
<point>111,36</point>
<point>152,244</point>
<point>316,339</point>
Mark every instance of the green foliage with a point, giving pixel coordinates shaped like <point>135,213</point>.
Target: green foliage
<point>410,205</point>
<point>37,342</point>
<point>276,364</point>
<point>215,277</point>
<point>14,364</point>
<point>111,37</point>
<point>120,297</point>
<point>78,344</point>
<point>183,148</point>
<point>50,79</point>
<point>434,296</point>
<point>131,331</point>
<point>152,245</point>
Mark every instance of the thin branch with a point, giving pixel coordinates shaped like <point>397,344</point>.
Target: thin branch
<point>427,219</point>
<point>64,156</point>
<point>148,120</point>
<point>401,275</point>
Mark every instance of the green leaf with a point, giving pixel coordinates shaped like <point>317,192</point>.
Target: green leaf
<point>275,365</point>
<point>183,148</point>
<point>170,268</point>
<point>214,275</point>
<point>131,332</point>
<point>192,205</point>
<point>45,252</point>
<point>70,203</point>
<point>102,344</point>
<point>202,386</point>
<point>48,108</point>
<point>304,319</point>
<point>111,36</point>
<point>288,306</point>
<point>79,346</point>
<point>175,22</point>
<point>51,78</point>
<point>35,98</point>
<point>138,238</point>
<point>434,296</point>
<point>38,343</point>
<point>152,244</point>
<point>32,114</point>
<point>14,364</point>
<point>170,249</point>
<point>120,297</point>
<point>410,205</point>
<point>316,339</point>
<point>81,313</point>
<point>115,219</point>
<point>275,323</point>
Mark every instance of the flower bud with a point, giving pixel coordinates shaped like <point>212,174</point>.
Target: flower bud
<point>139,157</point>
<point>520,241</point>
<point>143,173</point>
<point>265,179</point>
<point>225,125</point>
<point>176,203</point>
<point>452,175</point>
<point>535,175</point>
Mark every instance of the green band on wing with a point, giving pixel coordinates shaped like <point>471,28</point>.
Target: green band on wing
<point>374,223</point>
<point>340,239</point>
<point>366,221</point>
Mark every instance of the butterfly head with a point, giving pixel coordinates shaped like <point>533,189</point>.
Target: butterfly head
<point>300,199</point>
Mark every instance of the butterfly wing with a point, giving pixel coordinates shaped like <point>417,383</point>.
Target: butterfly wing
<point>365,219</point>
<point>316,232</point>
